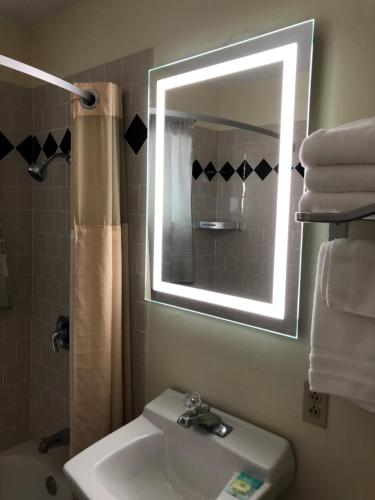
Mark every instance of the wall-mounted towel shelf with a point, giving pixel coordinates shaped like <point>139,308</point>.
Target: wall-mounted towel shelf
<point>363,213</point>
<point>338,221</point>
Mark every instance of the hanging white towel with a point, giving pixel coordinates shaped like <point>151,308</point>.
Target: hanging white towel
<point>340,178</point>
<point>342,359</point>
<point>350,270</point>
<point>334,202</point>
<point>351,143</point>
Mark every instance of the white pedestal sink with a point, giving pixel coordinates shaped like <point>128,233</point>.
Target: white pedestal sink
<point>155,458</point>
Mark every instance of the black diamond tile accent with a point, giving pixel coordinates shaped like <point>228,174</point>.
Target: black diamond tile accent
<point>244,170</point>
<point>210,171</point>
<point>197,169</point>
<point>300,170</point>
<point>263,169</point>
<point>5,146</point>
<point>136,134</point>
<point>50,146</point>
<point>29,149</point>
<point>36,148</point>
<point>276,169</point>
<point>227,171</point>
<point>65,144</point>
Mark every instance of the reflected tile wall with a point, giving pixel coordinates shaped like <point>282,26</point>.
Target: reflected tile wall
<point>16,217</point>
<point>241,262</point>
<point>204,197</point>
<point>244,258</point>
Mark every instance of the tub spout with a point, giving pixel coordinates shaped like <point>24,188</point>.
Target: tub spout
<point>61,438</point>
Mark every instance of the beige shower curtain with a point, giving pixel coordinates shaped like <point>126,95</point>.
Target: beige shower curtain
<point>100,353</point>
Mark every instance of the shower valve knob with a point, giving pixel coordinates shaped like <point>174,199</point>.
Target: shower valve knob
<point>60,337</point>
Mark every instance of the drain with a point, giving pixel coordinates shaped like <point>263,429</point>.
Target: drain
<point>51,486</point>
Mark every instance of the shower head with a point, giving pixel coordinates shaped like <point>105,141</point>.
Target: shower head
<point>39,171</point>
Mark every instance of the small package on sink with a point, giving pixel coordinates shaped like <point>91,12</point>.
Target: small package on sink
<point>242,486</point>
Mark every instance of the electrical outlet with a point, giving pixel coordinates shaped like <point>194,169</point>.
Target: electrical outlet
<point>315,406</point>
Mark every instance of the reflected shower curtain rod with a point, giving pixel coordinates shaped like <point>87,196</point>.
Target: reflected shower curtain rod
<point>219,121</point>
<point>89,99</point>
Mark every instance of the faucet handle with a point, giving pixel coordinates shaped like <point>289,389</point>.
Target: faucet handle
<point>55,340</point>
<point>193,402</point>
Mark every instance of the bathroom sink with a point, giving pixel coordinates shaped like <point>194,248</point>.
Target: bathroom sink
<point>154,457</point>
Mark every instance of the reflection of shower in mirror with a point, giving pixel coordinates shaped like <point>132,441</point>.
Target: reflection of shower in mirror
<point>248,103</point>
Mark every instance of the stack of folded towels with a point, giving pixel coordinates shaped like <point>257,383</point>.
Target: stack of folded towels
<point>342,359</point>
<point>339,168</point>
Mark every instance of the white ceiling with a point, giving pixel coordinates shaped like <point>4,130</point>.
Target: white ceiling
<point>30,11</point>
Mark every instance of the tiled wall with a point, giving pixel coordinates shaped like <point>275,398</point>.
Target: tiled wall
<point>51,223</point>
<point>131,74</point>
<point>51,256</point>
<point>135,75</point>
<point>34,381</point>
<point>15,214</point>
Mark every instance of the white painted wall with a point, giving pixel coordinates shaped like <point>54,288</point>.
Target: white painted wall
<point>254,375</point>
<point>15,42</point>
<point>96,31</point>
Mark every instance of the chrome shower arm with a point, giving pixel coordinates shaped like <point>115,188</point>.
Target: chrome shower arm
<point>66,156</point>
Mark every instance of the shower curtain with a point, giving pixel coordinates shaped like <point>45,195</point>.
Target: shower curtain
<point>177,223</point>
<point>100,344</point>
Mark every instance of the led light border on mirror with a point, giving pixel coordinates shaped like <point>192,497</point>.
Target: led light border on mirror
<point>293,47</point>
<point>288,56</point>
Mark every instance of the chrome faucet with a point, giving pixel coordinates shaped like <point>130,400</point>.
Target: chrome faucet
<point>61,438</point>
<point>199,414</point>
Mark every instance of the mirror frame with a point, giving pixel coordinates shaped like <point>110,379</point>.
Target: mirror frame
<point>287,55</point>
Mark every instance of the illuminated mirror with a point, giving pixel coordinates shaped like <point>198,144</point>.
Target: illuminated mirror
<point>224,179</point>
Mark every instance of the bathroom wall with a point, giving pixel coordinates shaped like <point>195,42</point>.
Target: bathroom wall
<point>16,217</point>
<point>15,41</point>
<point>34,382</point>
<point>51,229</point>
<point>51,252</point>
<point>34,386</point>
<point>254,375</point>
<point>130,73</point>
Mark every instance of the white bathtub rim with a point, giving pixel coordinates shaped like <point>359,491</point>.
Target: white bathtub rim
<point>29,450</point>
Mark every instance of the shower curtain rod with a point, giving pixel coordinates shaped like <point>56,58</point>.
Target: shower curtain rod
<point>89,99</point>
<point>218,120</point>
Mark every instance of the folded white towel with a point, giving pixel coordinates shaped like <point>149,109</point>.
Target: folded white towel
<point>349,267</point>
<point>334,202</point>
<point>342,359</point>
<point>351,143</point>
<point>340,178</point>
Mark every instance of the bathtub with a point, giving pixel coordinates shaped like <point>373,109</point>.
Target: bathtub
<point>25,475</point>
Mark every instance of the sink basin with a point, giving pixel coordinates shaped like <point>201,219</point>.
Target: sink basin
<point>154,457</point>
